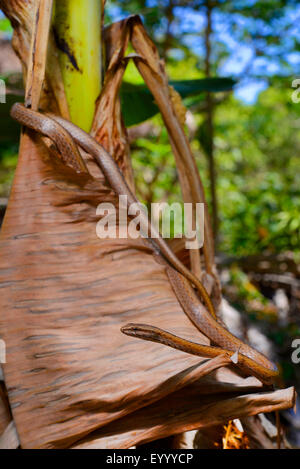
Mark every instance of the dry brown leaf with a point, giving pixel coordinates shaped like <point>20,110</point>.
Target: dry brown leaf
<point>108,127</point>
<point>184,415</point>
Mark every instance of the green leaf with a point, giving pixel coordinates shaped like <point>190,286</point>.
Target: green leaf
<point>191,87</point>
<point>10,130</point>
<point>5,26</point>
<point>138,103</point>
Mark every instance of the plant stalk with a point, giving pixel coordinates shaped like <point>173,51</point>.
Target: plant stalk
<point>77,32</point>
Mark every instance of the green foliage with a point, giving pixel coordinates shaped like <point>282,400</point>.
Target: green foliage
<point>10,130</point>
<point>8,162</point>
<point>259,183</point>
<point>154,167</point>
<point>5,26</point>
<point>255,218</point>
<point>257,151</point>
<point>137,101</point>
<point>9,137</point>
<point>137,104</point>
<point>246,297</point>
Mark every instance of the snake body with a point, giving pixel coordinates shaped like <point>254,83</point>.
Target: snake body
<point>63,133</point>
<point>155,334</point>
<point>47,127</point>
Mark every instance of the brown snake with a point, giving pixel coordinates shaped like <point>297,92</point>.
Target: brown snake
<point>62,133</point>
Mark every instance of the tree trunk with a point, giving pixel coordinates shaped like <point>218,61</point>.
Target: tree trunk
<point>210,122</point>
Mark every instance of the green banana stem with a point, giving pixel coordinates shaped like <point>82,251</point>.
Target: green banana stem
<point>77,31</point>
